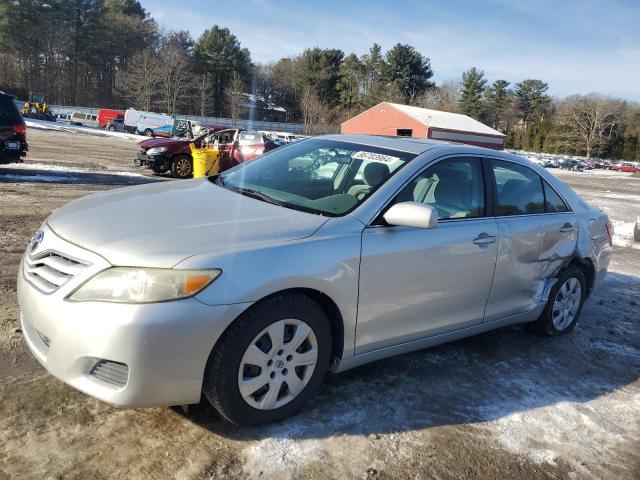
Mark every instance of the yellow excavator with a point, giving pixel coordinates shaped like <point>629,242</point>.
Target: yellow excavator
<point>37,107</point>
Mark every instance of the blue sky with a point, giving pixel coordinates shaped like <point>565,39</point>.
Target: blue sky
<point>577,46</point>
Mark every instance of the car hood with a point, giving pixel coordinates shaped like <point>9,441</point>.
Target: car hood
<point>157,142</point>
<point>161,224</point>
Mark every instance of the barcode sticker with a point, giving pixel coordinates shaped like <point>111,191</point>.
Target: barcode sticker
<point>374,157</point>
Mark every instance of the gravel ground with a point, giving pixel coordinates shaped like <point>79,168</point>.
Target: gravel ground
<point>506,404</point>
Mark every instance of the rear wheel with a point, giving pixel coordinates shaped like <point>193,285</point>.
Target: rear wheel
<point>181,167</point>
<point>148,132</point>
<point>270,361</point>
<point>564,305</point>
<point>112,128</point>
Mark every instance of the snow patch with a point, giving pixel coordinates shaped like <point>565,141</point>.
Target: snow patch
<point>59,127</point>
<point>623,235</point>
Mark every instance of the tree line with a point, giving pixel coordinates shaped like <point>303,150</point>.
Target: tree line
<point>112,53</point>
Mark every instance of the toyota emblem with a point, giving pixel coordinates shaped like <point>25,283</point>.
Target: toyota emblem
<point>36,240</point>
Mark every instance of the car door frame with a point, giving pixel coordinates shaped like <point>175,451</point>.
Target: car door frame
<point>377,222</point>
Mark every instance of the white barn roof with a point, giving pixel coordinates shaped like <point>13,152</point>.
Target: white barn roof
<point>445,120</point>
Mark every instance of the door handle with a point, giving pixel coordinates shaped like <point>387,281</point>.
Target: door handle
<point>567,227</point>
<point>483,239</point>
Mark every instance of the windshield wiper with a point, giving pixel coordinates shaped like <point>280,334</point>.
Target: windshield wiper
<point>249,192</point>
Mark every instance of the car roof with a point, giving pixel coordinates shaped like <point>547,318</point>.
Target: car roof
<point>412,145</point>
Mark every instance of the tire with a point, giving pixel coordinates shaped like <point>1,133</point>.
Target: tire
<point>112,128</point>
<point>223,373</point>
<point>148,133</point>
<point>568,278</point>
<point>181,167</point>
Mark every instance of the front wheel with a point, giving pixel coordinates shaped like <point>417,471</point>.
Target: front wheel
<point>148,132</point>
<point>270,361</point>
<point>181,167</point>
<point>564,305</point>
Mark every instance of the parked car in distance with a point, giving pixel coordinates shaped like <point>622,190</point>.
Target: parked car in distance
<point>116,124</point>
<point>628,167</point>
<point>13,131</point>
<point>574,165</point>
<point>249,145</point>
<point>173,155</point>
<point>64,118</point>
<point>84,119</point>
<point>246,287</point>
<point>105,115</point>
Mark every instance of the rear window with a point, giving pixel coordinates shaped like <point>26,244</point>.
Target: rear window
<point>9,114</point>
<point>250,138</point>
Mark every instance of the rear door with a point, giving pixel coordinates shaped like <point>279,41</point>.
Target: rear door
<point>537,233</point>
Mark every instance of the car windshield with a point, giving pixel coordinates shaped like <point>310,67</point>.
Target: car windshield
<point>325,177</point>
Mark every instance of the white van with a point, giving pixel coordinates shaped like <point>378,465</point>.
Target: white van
<point>131,117</point>
<point>148,122</point>
<point>84,119</point>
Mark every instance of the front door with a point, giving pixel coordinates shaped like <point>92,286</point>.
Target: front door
<point>416,283</point>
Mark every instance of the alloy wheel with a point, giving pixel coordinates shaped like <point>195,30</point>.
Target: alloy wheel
<point>278,364</point>
<point>566,304</point>
<point>183,167</point>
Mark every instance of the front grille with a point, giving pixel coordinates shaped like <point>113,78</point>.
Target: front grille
<point>51,270</point>
<point>115,373</point>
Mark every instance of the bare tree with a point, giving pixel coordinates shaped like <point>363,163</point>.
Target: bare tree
<point>174,72</point>
<point>139,82</point>
<point>234,96</point>
<point>204,91</point>
<point>588,120</point>
<point>445,97</point>
<point>315,115</point>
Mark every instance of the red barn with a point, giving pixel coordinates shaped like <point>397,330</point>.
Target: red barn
<point>393,119</point>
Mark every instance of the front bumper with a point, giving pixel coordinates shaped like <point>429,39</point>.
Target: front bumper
<point>165,346</point>
<point>157,163</point>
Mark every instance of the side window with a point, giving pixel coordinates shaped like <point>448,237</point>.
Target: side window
<point>554,202</point>
<point>454,187</point>
<point>519,189</point>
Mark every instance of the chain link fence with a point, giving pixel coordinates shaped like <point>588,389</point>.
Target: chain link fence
<point>247,124</point>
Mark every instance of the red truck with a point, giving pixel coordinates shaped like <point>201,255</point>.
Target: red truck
<point>173,155</point>
<point>105,115</point>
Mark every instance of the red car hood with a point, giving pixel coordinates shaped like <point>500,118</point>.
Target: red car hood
<point>156,142</point>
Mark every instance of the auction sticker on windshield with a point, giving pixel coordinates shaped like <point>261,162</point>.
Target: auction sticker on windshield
<point>374,157</point>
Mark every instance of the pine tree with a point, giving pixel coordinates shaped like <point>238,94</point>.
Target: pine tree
<point>497,100</point>
<point>473,83</point>
<point>407,70</point>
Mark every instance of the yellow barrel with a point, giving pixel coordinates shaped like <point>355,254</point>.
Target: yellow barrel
<point>205,161</point>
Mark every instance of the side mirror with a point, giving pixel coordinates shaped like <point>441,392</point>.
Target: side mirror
<point>412,214</point>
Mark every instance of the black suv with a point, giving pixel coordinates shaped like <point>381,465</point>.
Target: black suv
<point>13,131</point>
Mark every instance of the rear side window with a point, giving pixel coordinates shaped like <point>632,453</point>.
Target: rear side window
<point>519,189</point>
<point>554,203</point>
<point>9,114</point>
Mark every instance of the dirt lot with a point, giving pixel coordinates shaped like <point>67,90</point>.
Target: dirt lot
<point>505,404</point>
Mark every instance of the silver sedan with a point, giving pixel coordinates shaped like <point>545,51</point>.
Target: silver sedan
<point>322,255</point>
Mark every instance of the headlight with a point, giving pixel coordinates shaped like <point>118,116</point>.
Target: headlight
<point>143,285</point>
<point>157,150</point>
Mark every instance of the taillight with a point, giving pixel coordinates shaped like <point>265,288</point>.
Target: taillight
<point>20,129</point>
